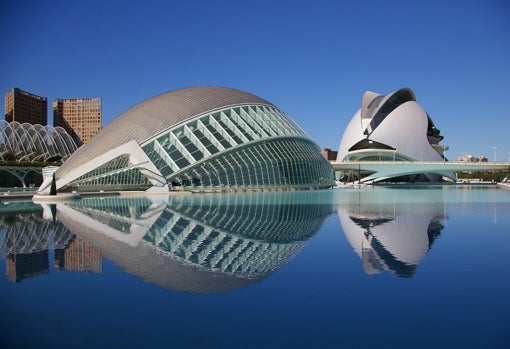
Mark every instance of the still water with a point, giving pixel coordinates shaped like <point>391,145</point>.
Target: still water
<point>353,268</point>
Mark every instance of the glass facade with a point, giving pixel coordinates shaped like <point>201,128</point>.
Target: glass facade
<point>242,147</point>
<point>246,147</point>
<point>116,174</point>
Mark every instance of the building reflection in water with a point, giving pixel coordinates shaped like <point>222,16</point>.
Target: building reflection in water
<point>214,243</point>
<point>27,236</point>
<point>199,243</point>
<point>389,234</point>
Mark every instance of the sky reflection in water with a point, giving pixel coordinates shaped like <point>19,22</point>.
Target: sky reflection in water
<point>374,267</point>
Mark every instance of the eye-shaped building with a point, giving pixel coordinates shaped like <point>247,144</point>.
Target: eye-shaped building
<point>392,127</point>
<point>198,139</point>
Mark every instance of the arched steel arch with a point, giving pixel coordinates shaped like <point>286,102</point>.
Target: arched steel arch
<point>11,136</point>
<point>41,141</point>
<point>63,141</point>
<point>39,137</point>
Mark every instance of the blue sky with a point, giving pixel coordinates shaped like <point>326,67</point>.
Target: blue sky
<point>313,59</point>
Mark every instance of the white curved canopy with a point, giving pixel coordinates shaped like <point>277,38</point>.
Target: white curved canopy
<point>34,142</point>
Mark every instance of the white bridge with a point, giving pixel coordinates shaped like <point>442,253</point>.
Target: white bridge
<point>388,169</point>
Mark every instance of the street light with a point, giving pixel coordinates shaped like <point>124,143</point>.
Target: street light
<point>494,148</point>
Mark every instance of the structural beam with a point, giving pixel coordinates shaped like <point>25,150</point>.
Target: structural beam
<point>418,166</point>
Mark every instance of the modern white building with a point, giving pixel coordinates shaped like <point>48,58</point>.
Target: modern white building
<point>392,127</point>
<point>198,139</point>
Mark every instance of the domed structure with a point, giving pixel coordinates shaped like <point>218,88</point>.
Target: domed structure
<point>198,139</point>
<point>392,127</point>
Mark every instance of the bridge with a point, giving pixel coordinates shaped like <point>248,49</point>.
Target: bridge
<point>21,171</point>
<point>388,169</point>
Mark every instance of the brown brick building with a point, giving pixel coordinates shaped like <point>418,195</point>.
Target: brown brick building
<point>22,106</point>
<point>329,154</point>
<point>80,117</point>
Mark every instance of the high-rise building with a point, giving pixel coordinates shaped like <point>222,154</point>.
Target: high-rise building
<point>23,106</point>
<point>80,117</point>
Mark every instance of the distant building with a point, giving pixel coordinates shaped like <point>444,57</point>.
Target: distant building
<point>25,107</point>
<point>80,117</point>
<point>471,158</point>
<point>329,154</point>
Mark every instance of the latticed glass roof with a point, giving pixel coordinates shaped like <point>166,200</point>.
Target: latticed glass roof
<point>204,139</point>
<point>34,143</point>
<point>154,115</point>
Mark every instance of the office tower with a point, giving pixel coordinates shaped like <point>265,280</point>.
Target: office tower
<point>80,117</point>
<point>22,106</point>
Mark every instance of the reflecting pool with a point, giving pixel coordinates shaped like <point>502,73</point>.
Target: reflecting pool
<point>376,267</point>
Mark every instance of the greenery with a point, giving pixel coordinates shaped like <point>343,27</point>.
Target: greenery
<point>9,158</point>
<point>486,176</point>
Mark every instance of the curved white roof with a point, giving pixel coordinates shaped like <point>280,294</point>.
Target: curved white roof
<point>158,114</point>
<point>372,102</point>
<point>395,120</point>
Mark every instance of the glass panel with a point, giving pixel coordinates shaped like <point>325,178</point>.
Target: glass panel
<point>216,134</point>
<point>273,164</point>
<point>232,121</point>
<point>206,142</point>
<point>177,157</point>
<point>248,118</point>
<point>230,132</point>
<point>157,159</point>
<point>191,148</point>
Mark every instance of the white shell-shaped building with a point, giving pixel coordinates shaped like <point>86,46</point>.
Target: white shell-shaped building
<point>392,127</point>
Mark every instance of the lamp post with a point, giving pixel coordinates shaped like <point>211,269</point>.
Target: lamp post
<point>494,148</point>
